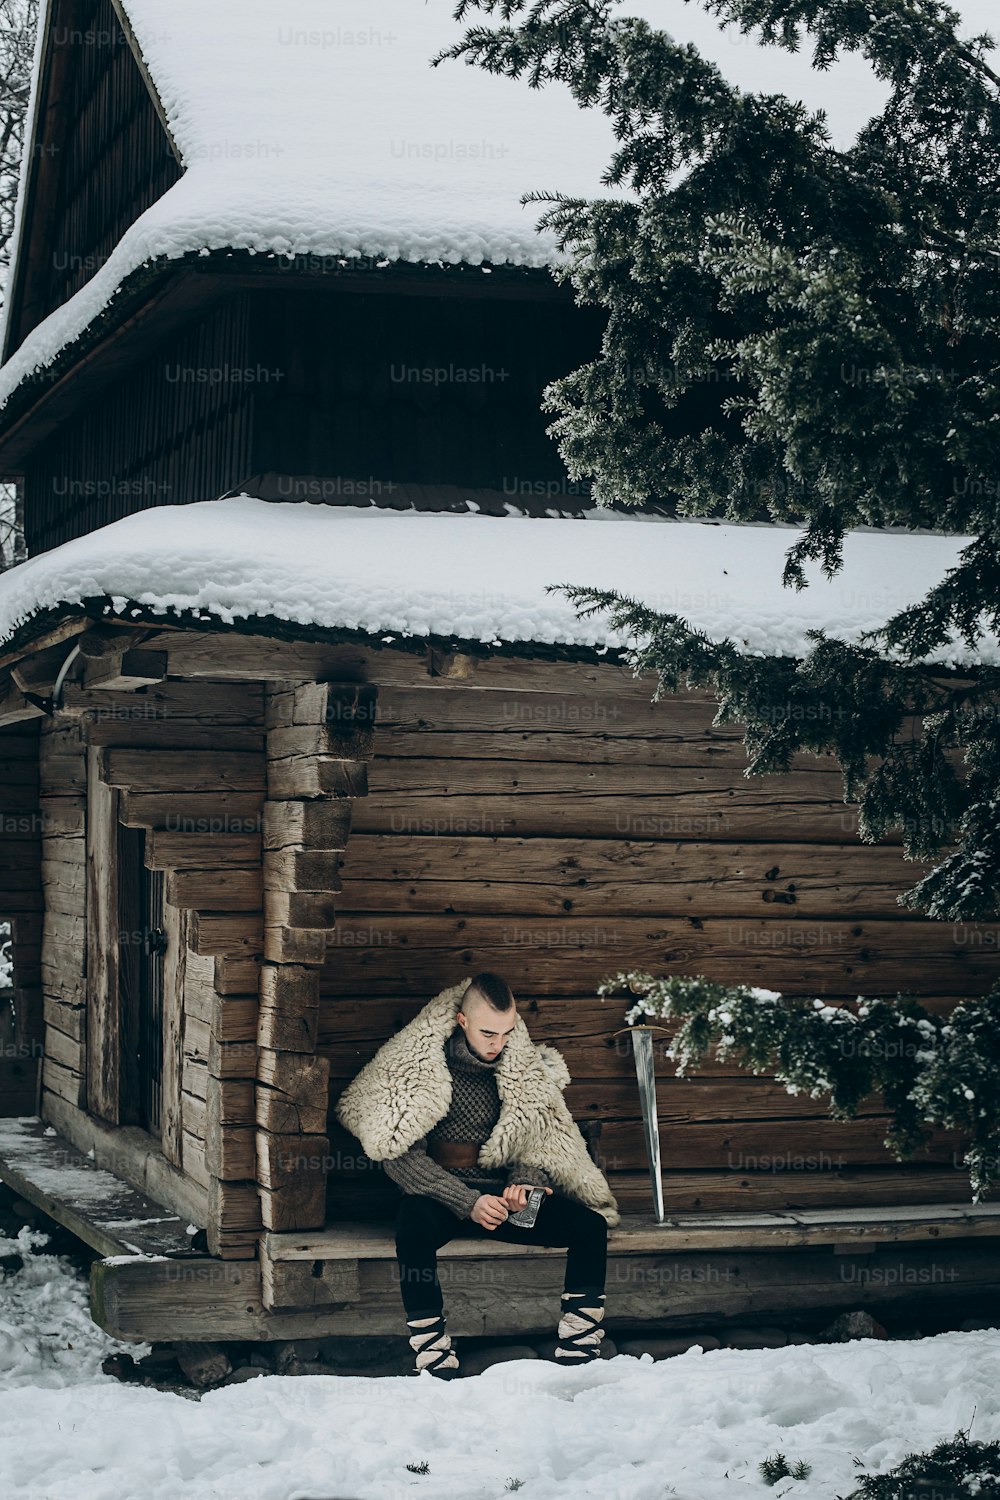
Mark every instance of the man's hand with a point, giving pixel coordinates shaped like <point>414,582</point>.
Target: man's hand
<point>489,1210</point>
<point>515,1195</point>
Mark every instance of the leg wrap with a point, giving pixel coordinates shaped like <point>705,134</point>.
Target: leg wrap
<point>432,1346</point>
<point>580,1330</point>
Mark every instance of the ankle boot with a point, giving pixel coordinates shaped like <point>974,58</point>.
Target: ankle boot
<point>432,1346</point>
<point>580,1330</point>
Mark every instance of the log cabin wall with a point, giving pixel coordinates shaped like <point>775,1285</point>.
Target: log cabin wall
<point>560,828</point>
<point>102,156</point>
<point>21,1019</point>
<point>175,430</point>
<point>184,763</point>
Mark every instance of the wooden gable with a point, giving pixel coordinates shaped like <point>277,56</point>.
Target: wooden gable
<point>100,153</point>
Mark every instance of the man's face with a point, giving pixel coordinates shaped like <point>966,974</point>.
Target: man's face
<point>486,1030</point>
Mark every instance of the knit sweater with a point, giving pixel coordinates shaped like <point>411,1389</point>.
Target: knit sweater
<point>474,1111</point>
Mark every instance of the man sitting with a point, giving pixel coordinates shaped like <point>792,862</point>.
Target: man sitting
<point>466,1114</point>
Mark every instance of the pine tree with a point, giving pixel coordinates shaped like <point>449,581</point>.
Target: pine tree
<point>810,335</point>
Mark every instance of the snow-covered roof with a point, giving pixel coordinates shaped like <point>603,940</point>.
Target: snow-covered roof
<point>472,578</point>
<point>307,128</point>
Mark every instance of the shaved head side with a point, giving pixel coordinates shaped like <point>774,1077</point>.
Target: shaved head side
<point>487,1015</point>
<point>491,988</point>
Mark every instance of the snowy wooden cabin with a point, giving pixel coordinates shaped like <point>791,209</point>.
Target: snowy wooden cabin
<point>293,736</point>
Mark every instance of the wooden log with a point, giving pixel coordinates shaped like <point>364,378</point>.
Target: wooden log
<point>130,1154</point>
<point>292,1092</point>
<point>223,704</point>
<point>234,1218</point>
<point>266,658</point>
<point>232,1059</point>
<point>163,1300</point>
<point>201,851</point>
<point>297,776</point>
<point>289,1007</point>
<point>180,770</point>
<point>874,957</point>
<point>316,826</point>
<point>196,812</point>
<point>751,1145</point>
<point>294,945</point>
<point>300,869</point>
<point>236,976</point>
<point>15,708</point>
<point>727,812</point>
<point>65,1083</point>
<point>65,1017</point>
<point>102,641</point>
<point>299,909</point>
<point>338,742</point>
<point>294,1285</point>
<point>234,1019</point>
<point>292,1170</point>
<point>149,733</point>
<point>216,889</point>
<point>228,1102</point>
<point>543,876</point>
<point>234,934</point>
<point>134,667</point>
<point>230,1154</point>
<point>66,1050</point>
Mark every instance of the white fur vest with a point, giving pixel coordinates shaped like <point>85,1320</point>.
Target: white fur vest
<point>406,1089</point>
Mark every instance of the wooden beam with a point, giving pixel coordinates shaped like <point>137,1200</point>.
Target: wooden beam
<point>131,1155</point>
<point>126,670</point>
<point>154,1300</point>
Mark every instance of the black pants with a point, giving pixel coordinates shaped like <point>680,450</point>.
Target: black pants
<point>423,1225</point>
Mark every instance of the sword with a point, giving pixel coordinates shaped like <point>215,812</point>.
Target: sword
<point>645,1072</point>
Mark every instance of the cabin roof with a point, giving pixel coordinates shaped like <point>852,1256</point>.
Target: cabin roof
<point>473,578</point>
<point>316,131</point>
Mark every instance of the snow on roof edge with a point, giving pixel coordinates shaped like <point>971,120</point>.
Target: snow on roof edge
<point>289,567</point>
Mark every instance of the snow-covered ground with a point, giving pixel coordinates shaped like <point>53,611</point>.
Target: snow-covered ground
<point>692,1428</point>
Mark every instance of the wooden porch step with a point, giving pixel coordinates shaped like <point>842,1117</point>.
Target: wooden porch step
<point>106,1213</point>
<point>638,1235</point>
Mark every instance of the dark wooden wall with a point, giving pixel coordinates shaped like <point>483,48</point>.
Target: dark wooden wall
<point>294,395</point>
<point>102,157</point>
<point>160,436</point>
<point>565,829</point>
<point>413,390</point>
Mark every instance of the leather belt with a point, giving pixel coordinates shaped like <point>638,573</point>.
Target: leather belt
<point>453,1153</point>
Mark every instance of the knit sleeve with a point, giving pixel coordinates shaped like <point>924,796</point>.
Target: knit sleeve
<point>418,1174</point>
<point>533,1175</point>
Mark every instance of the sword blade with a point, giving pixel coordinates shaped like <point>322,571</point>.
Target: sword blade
<point>645,1072</point>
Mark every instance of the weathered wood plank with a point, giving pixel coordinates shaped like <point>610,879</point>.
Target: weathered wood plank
<point>228,934</point>
<point>193,811</point>
<point>180,770</point>
<point>293,1093</point>
<point>217,889</point>
<point>547,876</point>
<point>102,1210</point>
<point>155,1300</point>
<point>201,851</point>
<point>130,1154</point>
<point>728,812</point>
<point>134,667</point>
<point>297,776</point>
<point>318,825</point>
<point>101,947</point>
<point>289,1007</point>
<point>870,956</point>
